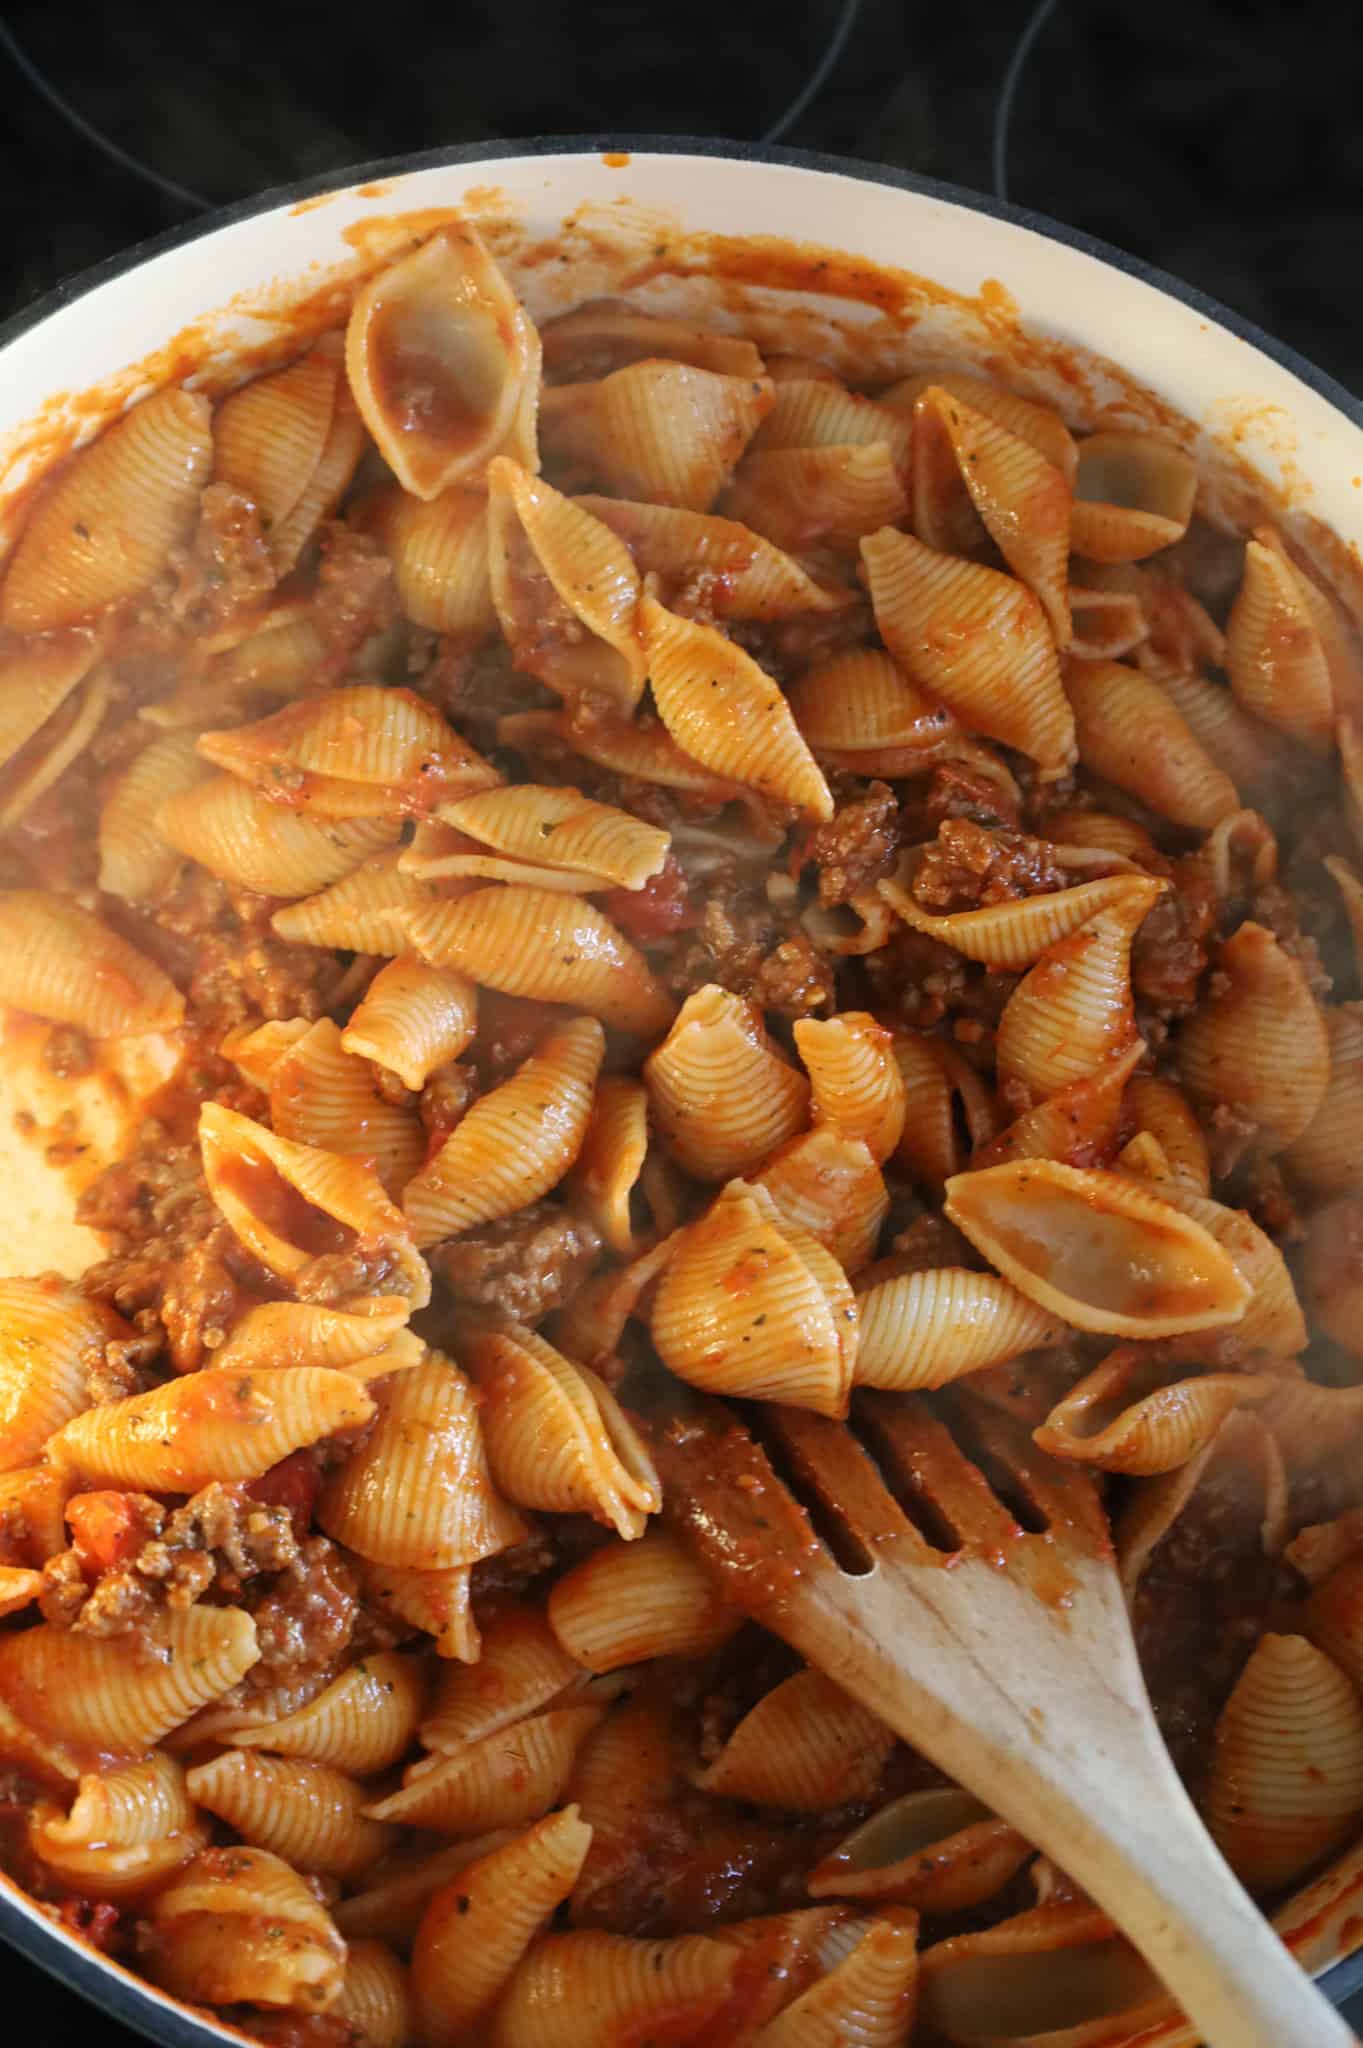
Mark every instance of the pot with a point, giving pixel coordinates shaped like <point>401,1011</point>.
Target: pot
<point>912,273</point>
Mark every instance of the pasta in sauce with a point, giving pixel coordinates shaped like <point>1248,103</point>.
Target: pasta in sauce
<point>664,872</point>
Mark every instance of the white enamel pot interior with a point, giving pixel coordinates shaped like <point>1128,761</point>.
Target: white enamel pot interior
<point>1047,307</point>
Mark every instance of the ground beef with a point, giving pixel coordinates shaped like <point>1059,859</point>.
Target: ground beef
<point>475,685</point>
<point>1169,954</point>
<point>176,1269</point>
<point>857,846</point>
<point>355,596</point>
<point>220,1540</point>
<point>1274,908</point>
<point>916,981</point>
<point>525,1265</point>
<point>307,1618</point>
<point>226,566</point>
<point>968,867</point>
<point>740,943</point>
<point>507,1575</point>
<point>68,1053</point>
<point>335,1276</point>
<point>786,648</point>
<point>963,789</point>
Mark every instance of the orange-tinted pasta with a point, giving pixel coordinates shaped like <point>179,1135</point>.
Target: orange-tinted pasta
<point>644,866</point>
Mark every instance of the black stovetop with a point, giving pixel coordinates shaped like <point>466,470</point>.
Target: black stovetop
<point>1216,138</point>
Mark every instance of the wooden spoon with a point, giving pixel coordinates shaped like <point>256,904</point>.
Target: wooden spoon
<point>986,1626</point>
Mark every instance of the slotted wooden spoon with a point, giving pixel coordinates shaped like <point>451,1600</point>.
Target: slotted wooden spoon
<point>1005,1656</point>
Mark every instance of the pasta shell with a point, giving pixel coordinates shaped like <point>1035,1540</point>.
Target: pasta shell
<point>36,679</point>
<point>392,1908</point>
<point>1322,1547</point>
<point>806,1746</point>
<point>552,561</point>
<point>19,1588</point>
<point>1338,638</point>
<point>256,1051</point>
<point>1101,832</point>
<point>1022,499</point>
<point>62,740</point>
<point>1073,1011</point>
<point>1328,1156</point>
<point>1332,1272</point>
<point>102,1694</point>
<point>817,413</point>
<point>366,912</point>
<point>1014,935</point>
<point>604,336</point>
<point>1126,1415</point>
<point>413,1019</point>
<point>307,1813</point>
<point>244,839</point>
<point>1286,1784</point>
<point>741,1310</point>
<point>291,1333</point>
<point>134,860</point>
<point>940,1851</point>
<point>799,496</point>
<point>356,753</point>
<point>59,961</point>
<point>1258,1042</point>
<point>854,1078</point>
<point>440,358</point>
<point>1144,1157</point>
<point>278,655</point>
<point>102,1870</point>
<point>1105,624</point>
<point>1226,733</point>
<point>606,1173</point>
<point>375,1999</point>
<point>439,552</point>
<point>874,1990</point>
<point>1036,424</point>
<point>617,1989</point>
<point>209,1426</point>
<point>721,1094</point>
<point>742,575</point>
<point>1334,1617</point>
<point>436,1602</point>
<point>263,1185</point>
<point>863,704</point>
<point>476,1930</point>
<point>642,751</point>
<point>934,1074</point>
<point>664,433</point>
<point>1241,1461</point>
<point>104,528</point>
<point>505,1781</point>
<point>1055,1977</point>
<point>593,1322</point>
<point>130,1807</point>
<point>557,1438</point>
<point>240,1927</point>
<point>563,829</point>
<point>516,1142</point>
<point>925,1329</point>
<point>439,853</point>
<point>418,1492</point>
<point>1097,1249</point>
<point>1157,1106</point>
<point>322,1095</point>
<point>1133,496</point>
<point>1273,1322</point>
<point>268,436</point>
<point>1078,1125</point>
<point>1274,657</point>
<point>631,1601</point>
<point>33,1507</point>
<point>361,1723</point>
<point>1131,734</point>
<point>975,639</point>
<point>522,1669</point>
<point>555,949</point>
<point>50,1339</point>
<point>829,1185</point>
<point>726,713</point>
<point>325,487</point>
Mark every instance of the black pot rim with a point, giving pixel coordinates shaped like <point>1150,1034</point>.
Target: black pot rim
<point>81,1969</point>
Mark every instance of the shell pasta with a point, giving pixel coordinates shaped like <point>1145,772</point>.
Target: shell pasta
<point>560,874</point>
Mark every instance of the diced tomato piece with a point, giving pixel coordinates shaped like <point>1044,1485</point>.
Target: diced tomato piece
<point>107,1530</point>
<point>293,1484</point>
<point>657,910</point>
